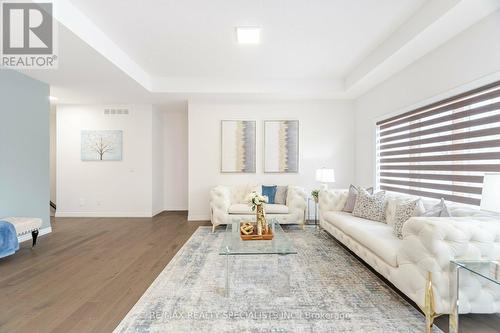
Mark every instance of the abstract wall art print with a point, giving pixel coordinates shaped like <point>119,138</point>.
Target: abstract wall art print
<point>238,146</point>
<point>281,146</point>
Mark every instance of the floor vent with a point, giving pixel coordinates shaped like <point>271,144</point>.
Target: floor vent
<point>115,111</point>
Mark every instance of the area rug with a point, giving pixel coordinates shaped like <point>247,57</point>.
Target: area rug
<point>329,291</point>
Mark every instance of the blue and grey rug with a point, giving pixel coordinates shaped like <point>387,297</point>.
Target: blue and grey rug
<point>330,291</point>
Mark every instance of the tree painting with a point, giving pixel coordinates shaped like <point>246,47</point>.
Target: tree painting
<point>101,145</point>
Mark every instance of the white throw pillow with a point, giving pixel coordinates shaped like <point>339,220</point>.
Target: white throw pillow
<point>281,194</point>
<point>404,211</point>
<point>439,210</point>
<point>352,196</point>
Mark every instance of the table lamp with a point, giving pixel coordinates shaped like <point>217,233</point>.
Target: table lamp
<point>325,176</point>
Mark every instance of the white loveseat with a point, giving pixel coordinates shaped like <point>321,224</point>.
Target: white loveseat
<point>428,244</point>
<point>228,202</point>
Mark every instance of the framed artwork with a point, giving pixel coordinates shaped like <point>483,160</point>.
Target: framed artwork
<point>281,146</point>
<point>101,145</point>
<point>238,146</point>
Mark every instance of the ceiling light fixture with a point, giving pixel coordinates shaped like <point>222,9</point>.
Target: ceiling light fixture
<point>248,35</point>
<point>52,98</point>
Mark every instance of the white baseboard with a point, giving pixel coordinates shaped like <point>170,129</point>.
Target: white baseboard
<point>198,217</point>
<point>103,214</point>
<point>41,232</point>
<point>158,212</point>
<point>175,209</point>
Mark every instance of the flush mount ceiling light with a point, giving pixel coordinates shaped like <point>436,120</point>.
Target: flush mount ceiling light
<point>248,35</point>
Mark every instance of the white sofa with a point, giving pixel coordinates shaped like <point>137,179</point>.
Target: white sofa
<point>428,244</point>
<point>228,202</point>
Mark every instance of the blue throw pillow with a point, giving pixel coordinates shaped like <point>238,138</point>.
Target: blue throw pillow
<point>269,192</point>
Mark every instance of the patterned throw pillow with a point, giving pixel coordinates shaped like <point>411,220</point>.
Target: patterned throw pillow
<point>351,197</point>
<point>281,193</point>
<point>404,211</point>
<point>392,204</point>
<point>369,206</point>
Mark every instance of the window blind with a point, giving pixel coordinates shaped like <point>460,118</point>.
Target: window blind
<point>442,150</point>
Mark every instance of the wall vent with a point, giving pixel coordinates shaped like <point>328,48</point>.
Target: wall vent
<point>116,111</point>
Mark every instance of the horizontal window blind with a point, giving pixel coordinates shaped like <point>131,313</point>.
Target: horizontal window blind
<point>442,150</point>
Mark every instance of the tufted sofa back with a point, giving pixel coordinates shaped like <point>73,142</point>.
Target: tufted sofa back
<point>239,193</point>
<point>334,200</point>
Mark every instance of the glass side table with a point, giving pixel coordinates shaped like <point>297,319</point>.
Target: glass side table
<point>484,269</point>
<point>313,203</point>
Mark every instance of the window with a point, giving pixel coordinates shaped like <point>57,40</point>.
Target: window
<point>442,150</point>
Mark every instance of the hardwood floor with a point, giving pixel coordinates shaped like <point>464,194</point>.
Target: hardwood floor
<point>87,274</point>
<point>473,323</point>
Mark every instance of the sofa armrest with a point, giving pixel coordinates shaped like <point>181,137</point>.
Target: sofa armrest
<point>220,200</point>
<point>297,202</point>
<point>451,237</point>
<point>429,243</point>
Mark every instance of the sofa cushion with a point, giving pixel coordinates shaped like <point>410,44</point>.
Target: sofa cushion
<point>276,209</point>
<point>392,202</point>
<point>439,210</point>
<point>403,213</point>
<point>375,236</point>
<point>281,193</point>
<point>454,209</point>
<point>379,239</point>
<point>246,209</point>
<point>24,225</point>
<point>240,208</point>
<point>352,196</point>
<point>341,220</point>
<point>269,192</point>
<point>370,206</point>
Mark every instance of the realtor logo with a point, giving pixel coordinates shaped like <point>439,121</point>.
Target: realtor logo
<point>28,35</point>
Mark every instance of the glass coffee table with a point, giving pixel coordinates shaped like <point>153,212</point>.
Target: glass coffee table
<point>234,246</point>
<point>484,269</point>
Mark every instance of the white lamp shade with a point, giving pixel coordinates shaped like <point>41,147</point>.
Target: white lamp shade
<point>490,199</point>
<point>325,175</point>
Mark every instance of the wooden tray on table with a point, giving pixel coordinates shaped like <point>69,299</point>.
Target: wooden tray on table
<point>254,236</point>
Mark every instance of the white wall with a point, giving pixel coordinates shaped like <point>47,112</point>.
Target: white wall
<point>326,140</point>
<point>469,60</point>
<point>112,188</point>
<point>53,153</point>
<point>157,174</point>
<point>175,154</point>
<point>24,147</point>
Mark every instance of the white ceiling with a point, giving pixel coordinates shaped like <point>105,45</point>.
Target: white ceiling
<point>85,76</point>
<point>125,51</point>
<point>300,39</point>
